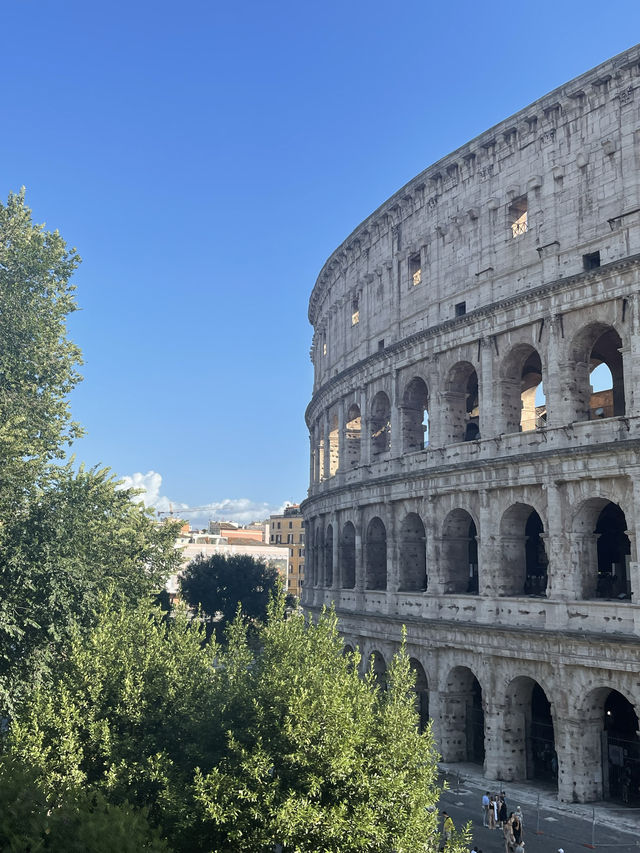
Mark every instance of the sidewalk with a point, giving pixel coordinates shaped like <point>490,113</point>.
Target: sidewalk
<point>521,793</point>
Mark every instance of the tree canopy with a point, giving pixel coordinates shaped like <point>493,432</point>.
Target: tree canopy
<point>234,749</point>
<point>65,535</point>
<point>219,585</point>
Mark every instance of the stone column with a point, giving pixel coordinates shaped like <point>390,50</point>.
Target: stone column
<point>336,581</point>
<point>557,411</point>
<point>486,389</point>
<point>560,583</point>
<point>433,563</point>
<point>327,446</point>
<point>633,533</point>
<point>632,358</point>
<point>504,743</point>
<point>360,567</point>
<point>489,556</point>
<point>579,749</point>
<point>393,580</point>
<point>342,439</point>
<point>582,576</point>
<point>453,724</point>
<point>365,438</point>
<point>396,421</point>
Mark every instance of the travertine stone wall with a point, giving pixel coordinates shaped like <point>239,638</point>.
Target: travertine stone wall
<point>465,479</point>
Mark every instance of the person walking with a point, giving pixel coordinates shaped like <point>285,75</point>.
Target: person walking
<point>509,840</point>
<point>493,812</point>
<point>447,829</point>
<point>485,809</point>
<point>502,812</point>
<point>516,828</point>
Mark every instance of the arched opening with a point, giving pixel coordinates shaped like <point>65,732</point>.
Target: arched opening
<point>353,432</point>
<point>379,669</point>
<point>328,556</point>
<point>462,729</point>
<point>459,553</point>
<point>601,551</point>
<point>524,556</point>
<point>536,562</point>
<point>521,383</point>
<point>622,769</point>
<point>422,694</point>
<point>376,555</point>
<point>320,461</point>
<point>599,373</point>
<point>334,453</point>
<point>460,412</point>
<point>317,555</point>
<point>380,425</point>
<point>541,738</point>
<point>614,550</point>
<point>413,554</point>
<point>349,652</point>
<point>415,416</point>
<point>528,733</point>
<point>348,556</point>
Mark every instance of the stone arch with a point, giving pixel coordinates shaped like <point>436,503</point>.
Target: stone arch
<point>328,556</point>
<point>602,550</point>
<point>352,436</point>
<point>376,555</point>
<point>520,378</point>
<point>529,742</point>
<point>608,747</point>
<point>379,669</point>
<point>459,553</point>
<point>596,344</point>
<point>422,693</point>
<point>462,733</point>
<point>460,411</point>
<point>347,556</point>
<point>413,554</point>
<point>524,569</point>
<point>319,555</point>
<point>415,416</point>
<point>334,446</point>
<point>380,425</point>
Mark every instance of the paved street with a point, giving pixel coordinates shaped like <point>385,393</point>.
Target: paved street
<point>555,828</point>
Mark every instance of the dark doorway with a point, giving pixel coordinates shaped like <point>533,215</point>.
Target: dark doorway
<point>614,549</point>
<point>475,725</point>
<point>622,751</point>
<point>541,747</point>
<point>535,556</point>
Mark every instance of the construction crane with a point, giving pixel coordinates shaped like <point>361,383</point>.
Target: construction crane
<point>179,512</point>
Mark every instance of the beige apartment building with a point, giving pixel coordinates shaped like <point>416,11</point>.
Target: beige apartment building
<point>288,529</point>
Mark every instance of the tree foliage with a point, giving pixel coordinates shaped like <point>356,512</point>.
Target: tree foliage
<point>232,749</point>
<point>65,536</point>
<point>38,364</point>
<point>219,585</point>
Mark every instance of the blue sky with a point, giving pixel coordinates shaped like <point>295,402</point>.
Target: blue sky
<point>205,158</point>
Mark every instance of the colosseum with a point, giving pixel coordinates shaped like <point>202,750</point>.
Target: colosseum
<point>475,425</point>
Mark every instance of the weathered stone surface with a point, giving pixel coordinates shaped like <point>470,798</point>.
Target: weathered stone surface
<point>501,529</point>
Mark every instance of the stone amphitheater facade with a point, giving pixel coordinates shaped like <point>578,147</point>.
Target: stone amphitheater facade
<point>469,478</point>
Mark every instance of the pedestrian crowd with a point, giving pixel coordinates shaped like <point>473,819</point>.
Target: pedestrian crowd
<point>495,815</point>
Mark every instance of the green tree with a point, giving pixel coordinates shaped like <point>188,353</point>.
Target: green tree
<point>219,585</point>
<point>38,364</point>
<point>64,536</point>
<point>72,823</point>
<point>235,749</point>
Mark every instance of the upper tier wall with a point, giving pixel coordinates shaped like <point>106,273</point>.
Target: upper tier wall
<point>570,162</point>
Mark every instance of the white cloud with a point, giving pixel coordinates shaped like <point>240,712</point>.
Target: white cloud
<point>240,510</point>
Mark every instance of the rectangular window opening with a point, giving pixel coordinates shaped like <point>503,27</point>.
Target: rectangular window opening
<point>518,216</point>
<point>461,309</point>
<point>415,269</point>
<point>591,261</point>
<point>381,344</point>
<point>355,311</point>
